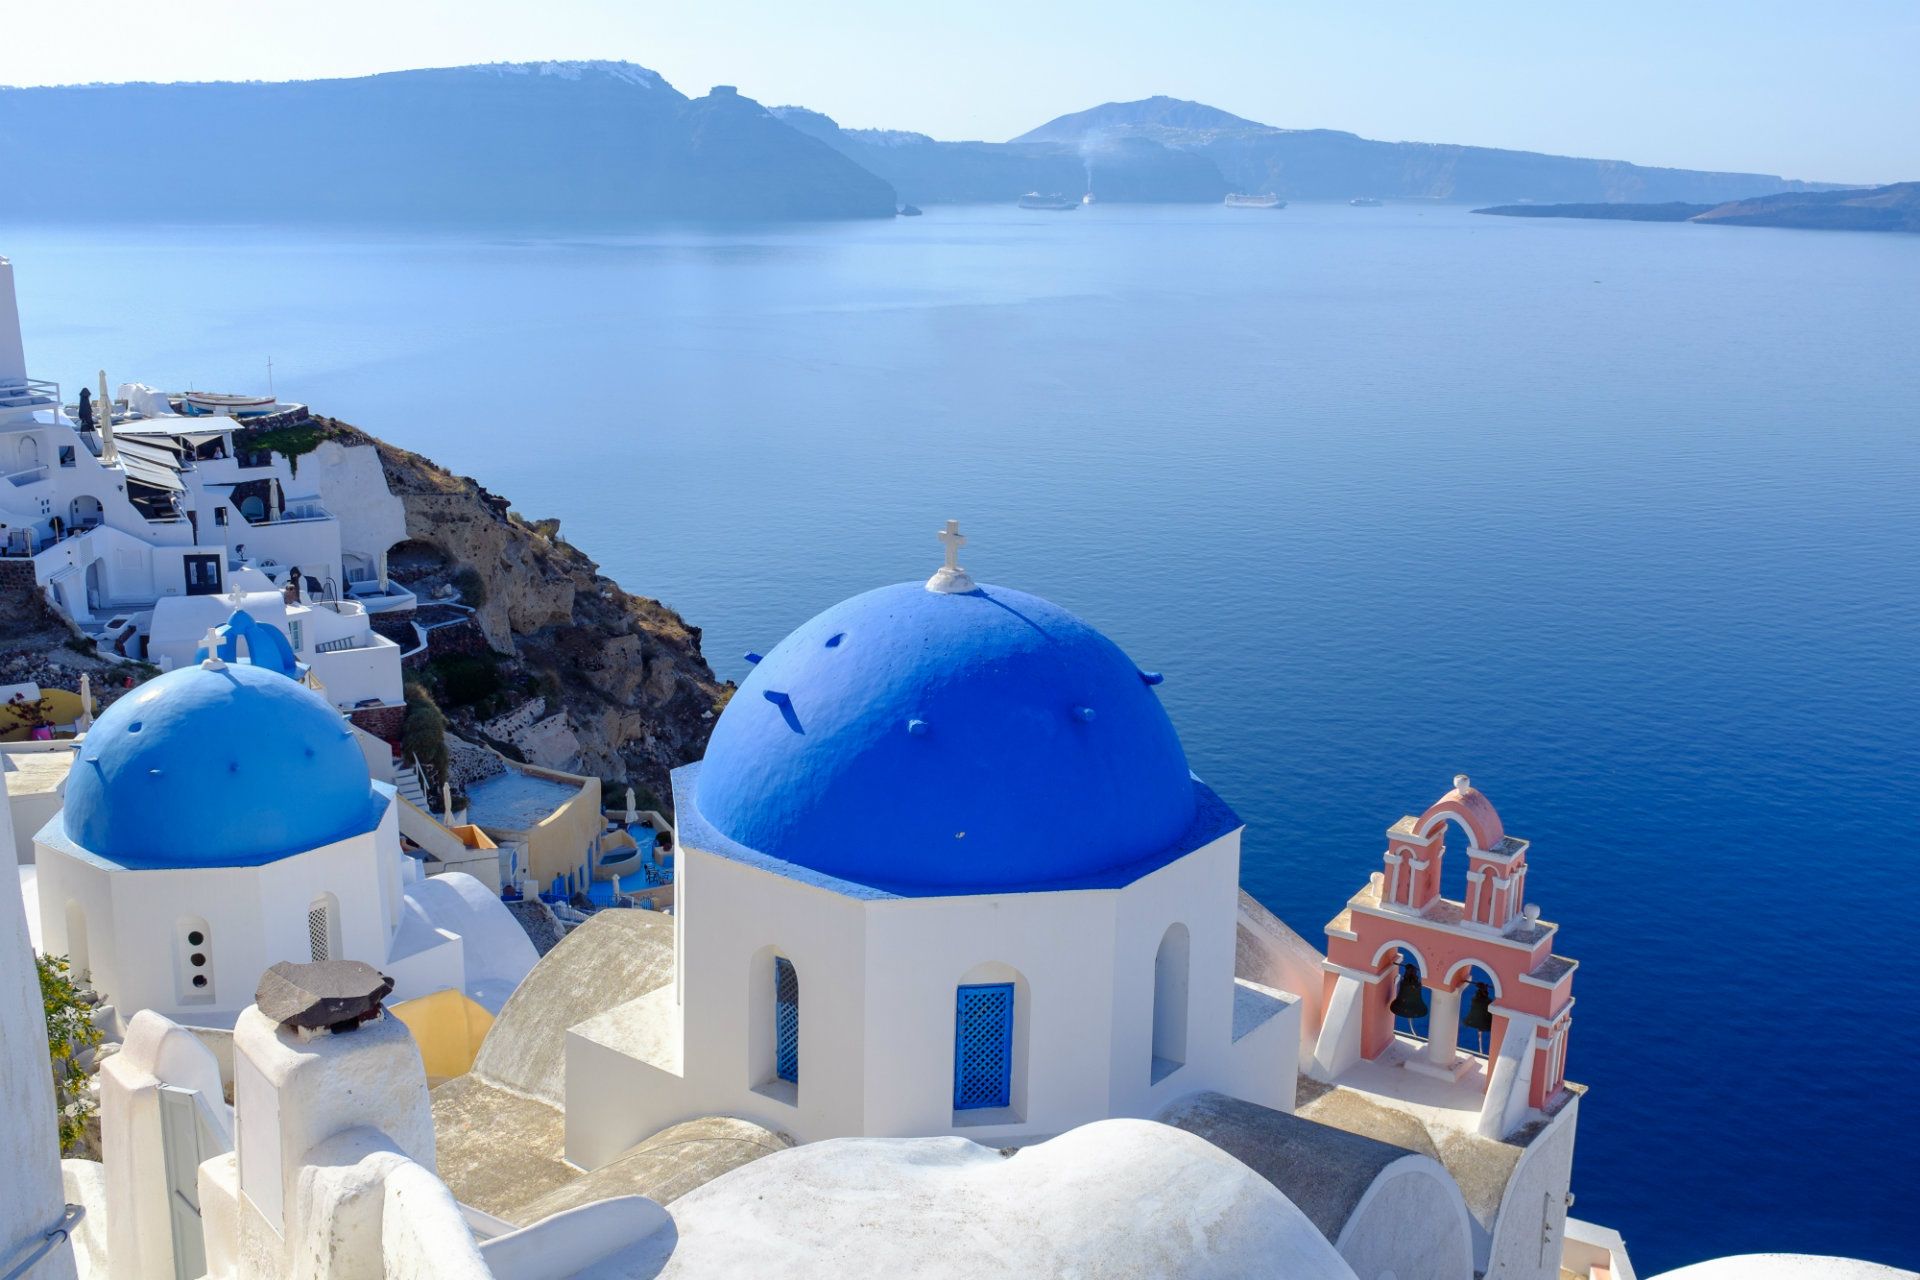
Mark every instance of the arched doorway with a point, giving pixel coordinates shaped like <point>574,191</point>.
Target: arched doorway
<point>84,512</point>
<point>1170,1002</point>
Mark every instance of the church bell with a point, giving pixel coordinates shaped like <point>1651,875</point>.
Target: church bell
<point>1479,1014</point>
<point>1409,1001</point>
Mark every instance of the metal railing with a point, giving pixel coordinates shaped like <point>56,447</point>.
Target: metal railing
<point>30,393</point>
<point>59,1234</point>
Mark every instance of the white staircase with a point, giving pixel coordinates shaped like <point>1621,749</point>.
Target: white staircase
<point>411,783</point>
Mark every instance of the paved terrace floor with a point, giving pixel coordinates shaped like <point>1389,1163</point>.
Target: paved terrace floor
<point>515,801</point>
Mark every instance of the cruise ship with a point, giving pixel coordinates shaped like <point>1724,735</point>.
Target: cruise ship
<point>1265,200</point>
<point>1056,201</point>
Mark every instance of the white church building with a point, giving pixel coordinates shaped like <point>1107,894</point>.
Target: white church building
<point>944,869</point>
<point>220,818</point>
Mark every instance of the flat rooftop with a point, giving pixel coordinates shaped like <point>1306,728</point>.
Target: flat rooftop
<point>37,772</point>
<point>515,801</point>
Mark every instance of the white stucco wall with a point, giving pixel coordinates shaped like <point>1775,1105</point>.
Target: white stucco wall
<point>13,358</point>
<point>1531,1223</point>
<point>157,1053</point>
<point>254,916</point>
<point>29,1145</point>
<point>877,985</point>
<point>352,485</point>
<point>1375,1239</point>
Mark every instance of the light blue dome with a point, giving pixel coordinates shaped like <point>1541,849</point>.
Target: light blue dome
<point>217,767</point>
<point>920,741</point>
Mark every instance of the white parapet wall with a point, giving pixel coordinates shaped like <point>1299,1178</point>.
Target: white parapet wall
<point>13,356</point>
<point>33,1203</point>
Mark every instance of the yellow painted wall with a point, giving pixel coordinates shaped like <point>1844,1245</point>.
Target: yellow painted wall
<point>63,707</point>
<point>448,1027</point>
<point>560,842</point>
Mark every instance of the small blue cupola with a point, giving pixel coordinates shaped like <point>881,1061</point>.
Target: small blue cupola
<point>267,645</point>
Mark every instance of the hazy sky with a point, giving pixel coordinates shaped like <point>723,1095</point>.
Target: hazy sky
<point>1811,90</point>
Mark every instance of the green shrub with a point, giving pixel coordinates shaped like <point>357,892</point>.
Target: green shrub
<point>70,1032</point>
<point>424,737</point>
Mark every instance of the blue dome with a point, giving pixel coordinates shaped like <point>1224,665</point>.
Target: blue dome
<point>922,741</point>
<point>217,767</point>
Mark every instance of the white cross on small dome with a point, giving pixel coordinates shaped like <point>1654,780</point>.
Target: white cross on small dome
<point>950,578</point>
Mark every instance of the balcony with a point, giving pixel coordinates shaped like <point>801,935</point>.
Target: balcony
<point>33,393</point>
<point>31,475</point>
<point>298,513</point>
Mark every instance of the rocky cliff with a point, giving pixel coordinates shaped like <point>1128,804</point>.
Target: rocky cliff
<point>626,671</point>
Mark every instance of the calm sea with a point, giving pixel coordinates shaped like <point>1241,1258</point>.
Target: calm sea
<point>1623,520</point>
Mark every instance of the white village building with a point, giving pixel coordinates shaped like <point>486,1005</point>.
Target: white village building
<point>152,497</point>
<point>333,640</point>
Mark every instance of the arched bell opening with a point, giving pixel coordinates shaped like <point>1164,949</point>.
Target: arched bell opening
<point>1409,1004</point>
<point>1479,989</point>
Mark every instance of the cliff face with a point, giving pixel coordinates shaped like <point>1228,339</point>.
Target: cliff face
<point>626,671</point>
<point>561,140</point>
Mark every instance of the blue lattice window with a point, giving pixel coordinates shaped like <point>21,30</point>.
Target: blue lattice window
<point>983,1046</point>
<point>786,1020</point>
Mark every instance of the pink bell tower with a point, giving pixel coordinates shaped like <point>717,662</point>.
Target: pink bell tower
<point>1400,917</point>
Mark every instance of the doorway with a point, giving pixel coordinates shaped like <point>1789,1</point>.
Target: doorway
<point>203,574</point>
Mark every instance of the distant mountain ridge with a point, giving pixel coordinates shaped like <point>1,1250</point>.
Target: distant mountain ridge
<point>606,140</point>
<point>551,140</point>
<point>926,171</point>
<point>1158,114</point>
<point>1326,164</point>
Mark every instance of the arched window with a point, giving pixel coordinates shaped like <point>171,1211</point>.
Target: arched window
<point>771,1011</point>
<point>323,939</point>
<point>193,961</point>
<point>786,1021</point>
<point>983,1046</point>
<point>1170,1002</point>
